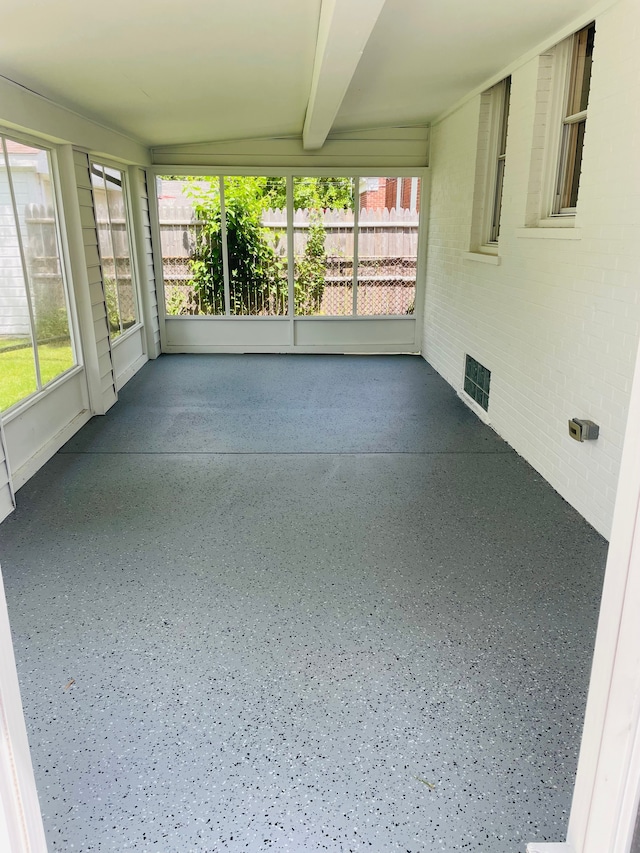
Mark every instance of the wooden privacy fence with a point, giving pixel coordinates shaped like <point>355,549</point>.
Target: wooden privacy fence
<point>381,233</point>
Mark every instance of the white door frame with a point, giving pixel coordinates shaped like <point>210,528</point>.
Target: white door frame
<point>21,829</point>
<point>607,788</point>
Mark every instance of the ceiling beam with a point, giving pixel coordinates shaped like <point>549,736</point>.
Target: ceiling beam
<point>343,32</point>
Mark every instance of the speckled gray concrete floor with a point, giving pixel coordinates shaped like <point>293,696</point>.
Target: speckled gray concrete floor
<point>291,591</point>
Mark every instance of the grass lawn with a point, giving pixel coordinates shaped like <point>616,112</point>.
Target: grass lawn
<point>18,374</point>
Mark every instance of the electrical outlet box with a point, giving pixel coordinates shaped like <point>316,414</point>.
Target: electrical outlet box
<point>583,430</point>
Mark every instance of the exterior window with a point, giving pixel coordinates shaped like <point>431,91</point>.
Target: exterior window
<point>490,167</point>
<point>115,251</point>
<point>501,111</point>
<point>303,246</point>
<point>574,121</point>
<point>36,342</point>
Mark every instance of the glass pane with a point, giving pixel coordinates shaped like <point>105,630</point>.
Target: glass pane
<point>17,366</point>
<point>107,254</point>
<point>31,175</point>
<point>190,237</point>
<point>581,72</point>
<point>256,217</point>
<point>573,143</point>
<point>504,117</point>
<point>323,246</point>
<point>388,219</point>
<point>120,244</point>
<point>497,202</point>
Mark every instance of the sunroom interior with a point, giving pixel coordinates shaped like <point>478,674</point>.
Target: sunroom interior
<point>380,239</point>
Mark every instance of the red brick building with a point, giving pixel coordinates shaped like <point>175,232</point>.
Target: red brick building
<point>389,193</point>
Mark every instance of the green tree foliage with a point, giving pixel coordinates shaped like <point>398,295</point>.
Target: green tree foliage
<point>310,269</point>
<point>315,194</point>
<point>257,276</point>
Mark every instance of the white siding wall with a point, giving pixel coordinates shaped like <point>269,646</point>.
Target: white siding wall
<point>147,272</point>
<point>6,496</point>
<point>557,322</point>
<point>94,272</point>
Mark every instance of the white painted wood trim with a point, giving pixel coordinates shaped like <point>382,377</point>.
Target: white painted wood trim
<point>225,248</point>
<point>421,262</point>
<point>343,32</point>
<point>7,464</point>
<point>607,785</point>
<point>79,275</point>
<point>550,848</point>
<point>44,453</point>
<point>322,349</point>
<point>21,829</point>
<point>139,253</point>
<point>156,247</point>
<point>308,171</point>
<point>291,287</point>
<point>482,258</point>
<point>356,245</point>
<point>131,370</point>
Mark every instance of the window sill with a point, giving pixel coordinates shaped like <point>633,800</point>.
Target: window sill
<point>126,334</point>
<point>482,257</point>
<point>550,233</point>
<point>558,220</point>
<point>21,406</point>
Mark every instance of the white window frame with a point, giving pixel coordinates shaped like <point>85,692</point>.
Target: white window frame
<point>494,118</point>
<point>551,214</point>
<point>65,271</point>
<point>119,167</point>
<point>359,186</point>
<point>497,134</point>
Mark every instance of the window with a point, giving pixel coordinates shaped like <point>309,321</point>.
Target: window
<point>490,167</point>
<point>36,341</point>
<point>303,246</point>
<point>115,252</point>
<point>501,111</point>
<point>578,65</point>
<point>564,78</point>
<point>387,246</point>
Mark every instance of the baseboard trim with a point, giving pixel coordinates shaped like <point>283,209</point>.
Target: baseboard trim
<point>44,454</point>
<point>129,372</point>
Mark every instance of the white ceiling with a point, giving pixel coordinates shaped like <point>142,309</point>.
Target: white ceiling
<point>166,72</point>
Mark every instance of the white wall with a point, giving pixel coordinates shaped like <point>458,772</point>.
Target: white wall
<point>385,148</point>
<point>557,321</point>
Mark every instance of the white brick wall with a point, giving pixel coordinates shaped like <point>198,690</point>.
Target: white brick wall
<point>558,321</point>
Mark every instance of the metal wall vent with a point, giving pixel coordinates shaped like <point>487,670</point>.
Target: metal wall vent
<point>476,381</point>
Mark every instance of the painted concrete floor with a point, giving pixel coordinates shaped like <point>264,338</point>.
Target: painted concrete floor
<point>309,603</point>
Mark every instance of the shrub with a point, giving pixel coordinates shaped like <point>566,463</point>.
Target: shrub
<point>310,269</point>
<point>257,276</point>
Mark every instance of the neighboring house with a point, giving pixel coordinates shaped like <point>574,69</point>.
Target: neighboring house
<point>390,193</point>
<point>30,186</point>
